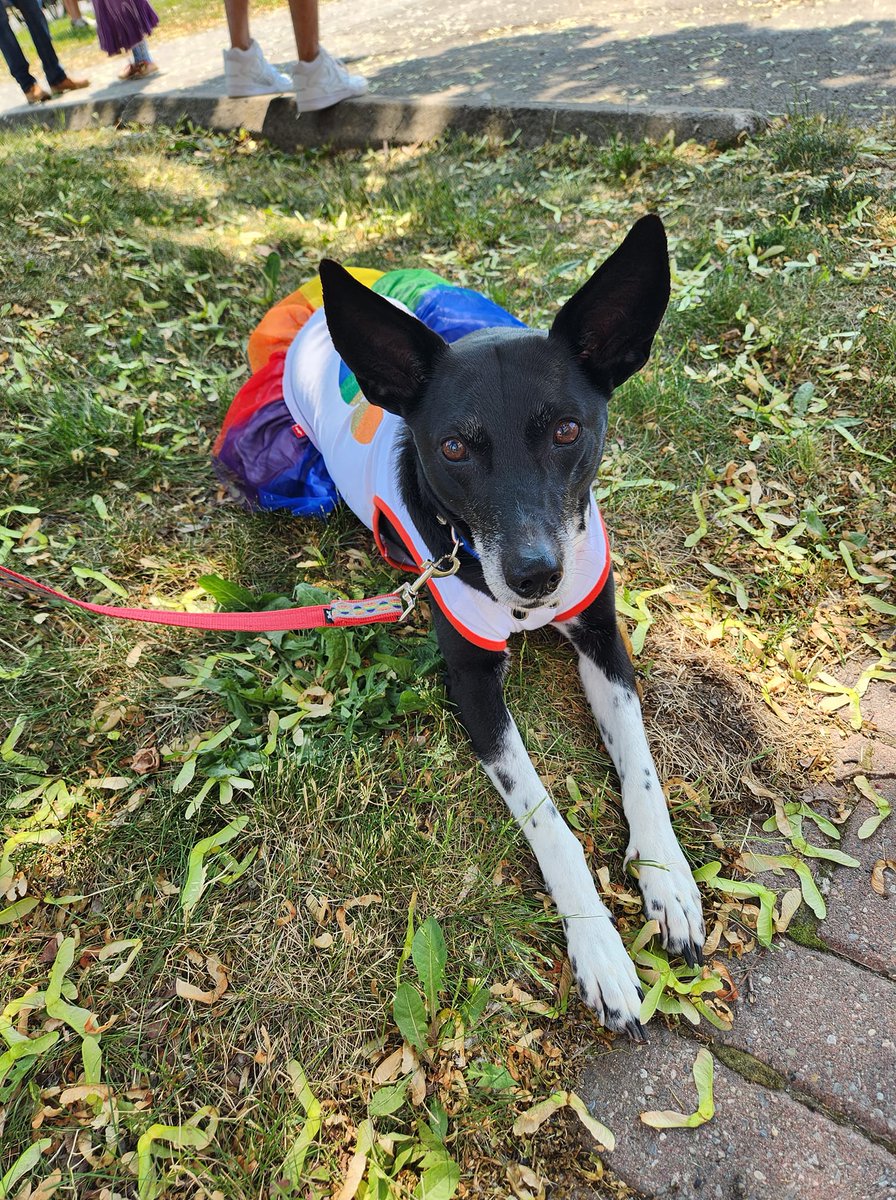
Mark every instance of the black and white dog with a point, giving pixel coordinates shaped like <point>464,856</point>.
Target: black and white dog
<point>504,433</point>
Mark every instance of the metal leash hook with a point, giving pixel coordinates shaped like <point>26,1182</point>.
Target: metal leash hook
<point>448,564</point>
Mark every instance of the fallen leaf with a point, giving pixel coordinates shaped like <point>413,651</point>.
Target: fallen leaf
<point>187,991</point>
<point>145,761</point>
<point>389,1068</point>
<point>790,902</point>
<point>318,907</point>
<point>878,883</point>
<point>703,1077</point>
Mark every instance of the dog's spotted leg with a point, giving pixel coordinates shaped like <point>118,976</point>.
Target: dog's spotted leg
<point>604,972</point>
<point>664,877</point>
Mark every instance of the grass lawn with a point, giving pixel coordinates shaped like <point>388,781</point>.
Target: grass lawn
<point>265,930</point>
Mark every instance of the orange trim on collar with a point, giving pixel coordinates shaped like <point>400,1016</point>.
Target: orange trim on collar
<point>381,509</point>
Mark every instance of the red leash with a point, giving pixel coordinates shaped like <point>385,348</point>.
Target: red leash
<point>394,606</point>
<point>340,613</point>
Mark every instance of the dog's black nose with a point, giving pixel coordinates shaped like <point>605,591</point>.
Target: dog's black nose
<point>534,575</point>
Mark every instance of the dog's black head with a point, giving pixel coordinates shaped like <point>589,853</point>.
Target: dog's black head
<point>509,424</point>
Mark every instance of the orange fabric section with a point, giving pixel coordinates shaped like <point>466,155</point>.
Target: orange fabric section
<point>277,328</point>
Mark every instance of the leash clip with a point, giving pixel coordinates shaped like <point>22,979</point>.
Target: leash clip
<point>448,564</point>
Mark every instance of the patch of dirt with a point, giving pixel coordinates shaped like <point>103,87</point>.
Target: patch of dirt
<point>708,725</point>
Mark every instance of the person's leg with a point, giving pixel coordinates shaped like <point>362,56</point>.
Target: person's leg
<point>237,12</point>
<point>141,52</point>
<point>73,10</point>
<point>320,80</point>
<point>12,52</point>
<point>246,70</point>
<point>306,28</point>
<point>33,16</point>
<point>142,64</point>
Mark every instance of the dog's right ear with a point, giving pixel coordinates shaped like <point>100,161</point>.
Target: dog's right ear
<point>391,354</point>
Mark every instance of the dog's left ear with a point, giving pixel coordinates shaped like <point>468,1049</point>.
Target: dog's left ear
<point>391,354</point>
<point>610,323</point>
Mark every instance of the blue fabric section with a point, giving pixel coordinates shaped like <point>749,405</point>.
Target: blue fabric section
<point>305,488</point>
<point>453,312</point>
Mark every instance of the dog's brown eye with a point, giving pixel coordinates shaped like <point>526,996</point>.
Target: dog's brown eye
<point>454,450</point>
<point>566,433</point>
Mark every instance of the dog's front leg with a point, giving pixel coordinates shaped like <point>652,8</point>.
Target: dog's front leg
<point>664,877</point>
<point>603,970</point>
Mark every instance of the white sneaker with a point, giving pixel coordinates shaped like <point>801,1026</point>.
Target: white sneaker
<point>248,73</point>
<point>324,82</point>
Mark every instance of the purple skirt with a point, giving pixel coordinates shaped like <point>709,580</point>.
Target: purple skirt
<point>121,24</point>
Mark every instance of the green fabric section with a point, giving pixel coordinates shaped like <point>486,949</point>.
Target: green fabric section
<point>408,285</point>
<point>349,388</point>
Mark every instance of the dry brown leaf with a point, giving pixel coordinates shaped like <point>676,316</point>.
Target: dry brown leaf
<point>347,930</point>
<point>417,1088</point>
<point>324,941</point>
<point>409,1060</point>
<point>84,1091</point>
<point>134,654</point>
<point>533,1118</point>
<point>878,882</point>
<point>145,761</point>
<point>389,1068</point>
<point>319,907</point>
<point>524,1183</point>
<point>790,902</point>
<point>187,991</point>
<point>729,991</point>
<point>48,1186</point>
<point>711,945</point>
<point>290,913</point>
<point>353,1176</point>
<point>363,901</point>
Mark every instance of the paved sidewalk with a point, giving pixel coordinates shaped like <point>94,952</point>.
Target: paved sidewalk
<point>761,55</point>
<point>805,1082</point>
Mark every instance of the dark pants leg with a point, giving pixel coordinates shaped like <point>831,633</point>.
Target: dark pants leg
<point>36,22</point>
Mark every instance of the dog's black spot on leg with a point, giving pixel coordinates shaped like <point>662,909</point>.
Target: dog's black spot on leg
<point>505,779</point>
<point>534,823</point>
<point>575,967</point>
<point>613,1014</point>
<point>622,776</point>
<point>647,772</point>
<point>656,906</point>
<point>647,785</point>
<point>553,812</point>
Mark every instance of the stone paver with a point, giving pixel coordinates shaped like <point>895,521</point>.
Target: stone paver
<point>760,1145</point>
<point>827,1026</point>
<point>861,925</point>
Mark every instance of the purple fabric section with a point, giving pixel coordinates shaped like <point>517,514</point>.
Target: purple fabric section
<point>261,449</point>
<point>121,24</point>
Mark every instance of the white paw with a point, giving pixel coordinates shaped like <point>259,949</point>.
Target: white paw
<point>604,973</point>
<point>670,897</point>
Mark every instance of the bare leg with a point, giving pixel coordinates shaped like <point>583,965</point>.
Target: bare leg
<point>237,12</point>
<point>306,28</point>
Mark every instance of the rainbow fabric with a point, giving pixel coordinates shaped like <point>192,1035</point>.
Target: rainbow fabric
<point>261,450</point>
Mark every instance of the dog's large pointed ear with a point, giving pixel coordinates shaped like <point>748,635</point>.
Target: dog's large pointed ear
<point>391,354</point>
<point>610,323</point>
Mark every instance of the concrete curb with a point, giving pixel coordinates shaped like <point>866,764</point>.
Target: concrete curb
<point>370,120</point>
